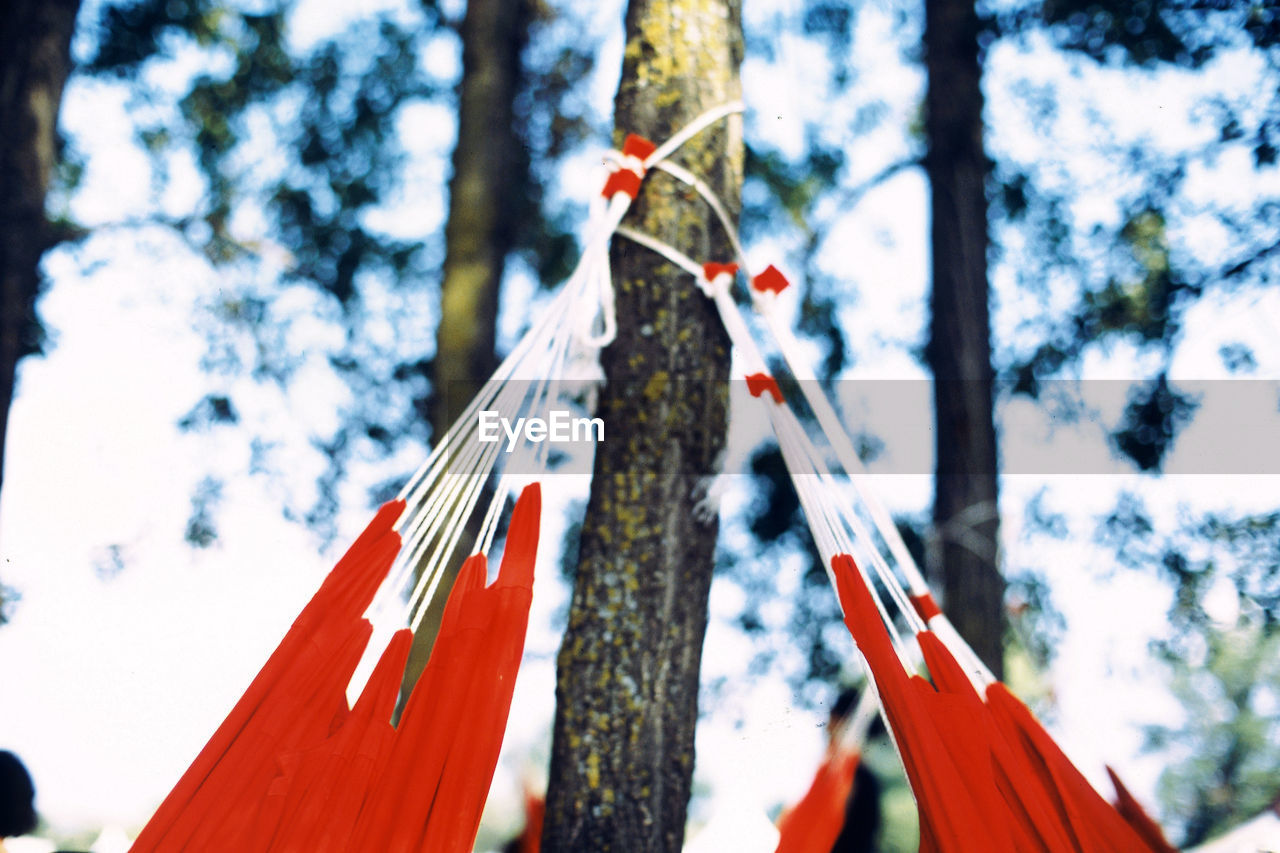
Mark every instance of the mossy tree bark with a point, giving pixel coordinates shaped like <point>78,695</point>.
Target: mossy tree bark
<point>35,59</point>
<point>627,673</point>
<point>965,515</point>
<point>490,166</point>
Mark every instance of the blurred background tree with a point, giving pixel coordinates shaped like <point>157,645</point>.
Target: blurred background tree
<point>1220,659</point>
<point>318,215</point>
<point>35,39</point>
<point>1126,280</point>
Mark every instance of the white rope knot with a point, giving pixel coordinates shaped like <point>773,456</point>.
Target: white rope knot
<point>632,163</point>
<point>708,494</point>
<point>717,279</point>
<point>628,167</point>
<point>605,314</point>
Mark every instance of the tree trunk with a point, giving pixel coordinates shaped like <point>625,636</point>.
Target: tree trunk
<point>489,169</point>
<point>627,672</point>
<point>490,166</point>
<point>965,513</point>
<point>35,59</point>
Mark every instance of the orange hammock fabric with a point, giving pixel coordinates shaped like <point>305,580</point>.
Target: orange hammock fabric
<point>292,768</point>
<point>986,775</point>
<point>814,823</point>
<point>1133,812</point>
<point>530,838</point>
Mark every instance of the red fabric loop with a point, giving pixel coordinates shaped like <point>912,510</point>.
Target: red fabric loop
<point>627,178</point>
<point>710,271</point>
<point>925,606</point>
<point>770,279</point>
<point>622,181</point>
<point>637,146</point>
<point>1136,816</point>
<point>758,383</point>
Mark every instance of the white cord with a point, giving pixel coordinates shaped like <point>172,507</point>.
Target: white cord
<point>839,440</point>
<point>580,320</point>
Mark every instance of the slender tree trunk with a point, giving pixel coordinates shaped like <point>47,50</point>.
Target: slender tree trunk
<point>965,514</point>
<point>35,59</point>
<point>627,673</point>
<point>490,167</point>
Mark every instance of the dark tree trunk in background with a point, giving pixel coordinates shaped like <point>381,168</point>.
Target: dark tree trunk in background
<point>489,170</point>
<point>627,673</point>
<point>490,167</point>
<point>966,521</point>
<point>35,59</point>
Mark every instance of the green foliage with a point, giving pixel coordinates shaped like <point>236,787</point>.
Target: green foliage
<point>1222,658</point>
<point>554,118</point>
<point>832,24</point>
<point>900,820</point>
<point>790,187</point>
<point>1141,306</point>
<point>1136,29</point>
<point>1151,421</point>
<point>1137,281</point>
<point>1229,741</point>
<point>1141,303</point>
<point>9,598</point>
<point>1036,625</point>
<point>202,529</point>
<point>813,619</point>
<point>213,410</point>
<point>128,35</point>
<point>312,139</point>
<point>1243,550</point>
<point>1145,33</point>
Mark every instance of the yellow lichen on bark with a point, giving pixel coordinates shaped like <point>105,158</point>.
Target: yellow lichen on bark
<point>638,612</point>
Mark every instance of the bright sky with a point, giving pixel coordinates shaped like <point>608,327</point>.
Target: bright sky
<point>114,677</point>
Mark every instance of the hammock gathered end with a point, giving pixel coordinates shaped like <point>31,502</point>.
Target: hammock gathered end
<point>293,767</point>
<point>985,774</point>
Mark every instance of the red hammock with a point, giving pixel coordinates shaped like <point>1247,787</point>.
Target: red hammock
<point>292,768</point>
<point>814,823</point>
<point>1133,812</point>
<point>986,775</point>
